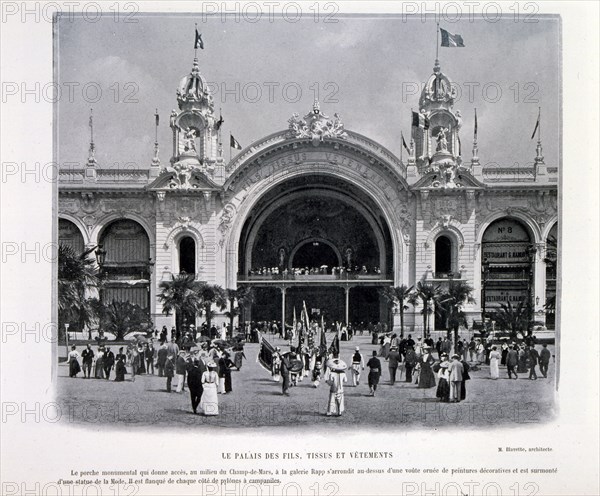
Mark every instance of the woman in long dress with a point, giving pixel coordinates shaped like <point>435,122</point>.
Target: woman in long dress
<point>443,389</point>
<point>480,353</point>
<point>99,364</point>
<point>495,358</point>
<point>120,369</point>
<point>522,364</point>
<point>426,375</point>
<point>74,367</point>
<point>209,403</point>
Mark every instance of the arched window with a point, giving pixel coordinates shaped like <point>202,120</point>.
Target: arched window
<point>127,264</point>
<point>187,255</point>
<point>443,255</point>
<point>550,258</point>
<point>507,264</point>
<point>69,234</point>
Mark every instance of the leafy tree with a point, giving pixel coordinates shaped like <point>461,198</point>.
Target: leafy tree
<point>399,295</point>
<point>551,265</point>
<point>123,317</point>
<point>212,294</point>
<point>244,297</point>
<point>513,319</point>
<point>452,301</point>
<point>180,295</point>
<point>427,294</point>
<point>77,273</point>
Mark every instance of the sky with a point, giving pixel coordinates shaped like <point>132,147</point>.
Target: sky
<point>367,69</point>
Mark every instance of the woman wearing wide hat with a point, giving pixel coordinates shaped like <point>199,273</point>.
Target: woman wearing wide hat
<point>336,376</point>
<point>426,376</point>
<point>209,403</point>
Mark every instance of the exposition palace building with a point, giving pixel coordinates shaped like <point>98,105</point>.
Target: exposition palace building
<point>318,213</point>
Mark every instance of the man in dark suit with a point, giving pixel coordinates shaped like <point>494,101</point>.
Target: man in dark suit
<point>374,373</point>
<point>194,379</point>
<point>87,356</point>
<point>534,358</point>
<point>544,360</point>
<point>393,359</point>
<point>109,362</point>
<point>512,359</point>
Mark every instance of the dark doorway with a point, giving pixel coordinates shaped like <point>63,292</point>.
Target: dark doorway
<point>315,254</point>
<point>187,255</point>
<point>443,255</point>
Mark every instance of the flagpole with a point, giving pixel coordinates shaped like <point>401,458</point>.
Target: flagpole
<point>437,41</point>
<point>401,142</point>
<point>92,127</point>
<point>540,124</point>
<point>155,126</point>
<point>195,40</point>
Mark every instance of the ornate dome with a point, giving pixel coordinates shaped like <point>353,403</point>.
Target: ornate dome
<point>193,89</point>
<point>438,90</point>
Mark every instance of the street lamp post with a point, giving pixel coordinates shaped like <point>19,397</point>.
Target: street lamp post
<point>67,338</point>
<point>531,253</point>
<point>100,259</point>
<point>485,269</point>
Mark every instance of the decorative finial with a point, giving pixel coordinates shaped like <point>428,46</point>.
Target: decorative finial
<point>475,158</point>
<point>316,107</point>
<point>92,150</point>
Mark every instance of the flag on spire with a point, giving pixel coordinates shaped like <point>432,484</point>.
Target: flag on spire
<point>404,143</point>
<point>198,43</point>
<point>219,123</point>
<point>233,143</point>
<point>451,40</point>
<point>537,125</point>
<point>156,117</point>
<point>419,120</point>
<point>475,129</point>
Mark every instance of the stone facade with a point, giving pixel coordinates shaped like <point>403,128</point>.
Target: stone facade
<point>408,204</point>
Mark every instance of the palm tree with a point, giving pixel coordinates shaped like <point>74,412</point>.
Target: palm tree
<point>244,296</point>
<point>211,294</point>
<point>551,264</point>
<point>427,294</point>
<point>122,317</point>
<point>77,273</point>
<point>398,296</point>
<point>513,319</point>
<point>180,295</point>
<point>452,301</point>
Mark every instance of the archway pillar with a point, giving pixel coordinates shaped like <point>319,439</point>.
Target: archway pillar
<point>539,284</point>
<point>387,199</point>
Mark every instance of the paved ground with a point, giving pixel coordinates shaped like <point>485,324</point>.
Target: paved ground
<point>256,401</point>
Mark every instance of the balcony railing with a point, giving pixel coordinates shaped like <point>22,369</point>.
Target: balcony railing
<point>312,277</point>
<point>446,275</point>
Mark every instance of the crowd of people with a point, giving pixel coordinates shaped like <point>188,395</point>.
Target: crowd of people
<point>322,270</point>
<point>204,358</point>
<point>205,365</point>
<point>448,372</point>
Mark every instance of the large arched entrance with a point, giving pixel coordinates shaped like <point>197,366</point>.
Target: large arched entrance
<point>551,260</point>
<point>126,269</point>
<point>508,256</point>
<point>317,241</point>
<point>70,235</point>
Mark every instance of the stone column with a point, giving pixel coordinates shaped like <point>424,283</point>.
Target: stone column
<point>283,290</point>
<point>347,293</point>
<point>539,283</point>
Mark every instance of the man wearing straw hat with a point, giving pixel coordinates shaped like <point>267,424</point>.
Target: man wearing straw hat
<point>358,364</point>
<point>336,376</point>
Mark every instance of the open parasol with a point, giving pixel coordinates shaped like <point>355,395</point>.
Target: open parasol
<point>336,365</point>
